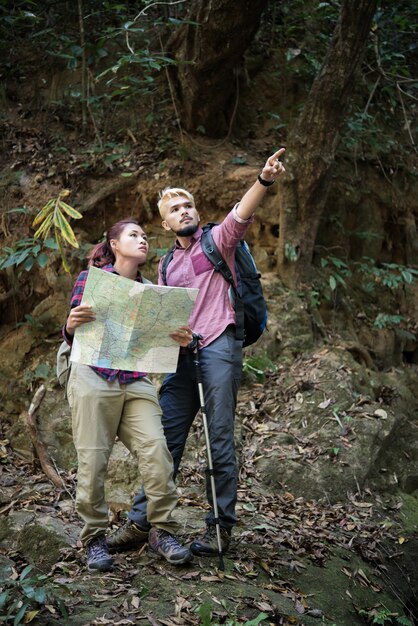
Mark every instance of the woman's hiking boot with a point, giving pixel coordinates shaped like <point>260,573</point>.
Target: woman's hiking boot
<point>97,555</point>
<point>207,545</point>
<point>166,545</point>
<point>127,537</point>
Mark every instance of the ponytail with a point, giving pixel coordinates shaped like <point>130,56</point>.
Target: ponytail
<point>101,255</point>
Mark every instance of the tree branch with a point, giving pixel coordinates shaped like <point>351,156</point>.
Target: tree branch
<point>39,446</point>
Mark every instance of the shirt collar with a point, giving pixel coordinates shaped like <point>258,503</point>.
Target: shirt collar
<point>196,237</point>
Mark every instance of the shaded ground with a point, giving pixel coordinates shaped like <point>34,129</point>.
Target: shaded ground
<point>293,560</point>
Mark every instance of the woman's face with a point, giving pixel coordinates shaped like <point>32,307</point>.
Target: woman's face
<point>132,244</point>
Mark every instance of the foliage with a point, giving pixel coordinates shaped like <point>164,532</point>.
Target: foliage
<point>239,160</point>
<point>383,111</point>
<point>385,320</point>
<point>291,252</point>
<point>23,597</point>
<point>205,613</point>
<point>372,278</point>
<point>26,252</point>
<point>35,324</point>
<point>381,615</point>
<point>390,275</point>
<point>278,122</point>
<point>107,153</point>
<point>302,29</point>
<point>339,271</point>
<point>124,53</point>
<point>41,372</point>
<point>382,120</point>
<point>52,216</point>
<point>112,51</point>
<point>258,366</point>
<point>121,83</point>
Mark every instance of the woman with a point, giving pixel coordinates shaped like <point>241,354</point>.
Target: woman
<point>105,403</point>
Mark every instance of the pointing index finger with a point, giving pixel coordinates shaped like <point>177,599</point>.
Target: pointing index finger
<point>276,155</point>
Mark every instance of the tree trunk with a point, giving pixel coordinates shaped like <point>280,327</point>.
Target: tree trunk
<point>313,141</point>
<point>209,58</point>
<point>83,66</point>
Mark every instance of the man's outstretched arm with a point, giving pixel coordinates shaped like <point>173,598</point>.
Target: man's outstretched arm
<point>250,201</point>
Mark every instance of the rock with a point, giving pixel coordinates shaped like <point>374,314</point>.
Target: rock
<point>38,538</point>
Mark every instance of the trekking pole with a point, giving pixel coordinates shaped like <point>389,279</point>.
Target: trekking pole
<point>194,345</point>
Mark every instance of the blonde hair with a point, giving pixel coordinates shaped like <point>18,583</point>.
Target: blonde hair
<point>170,192</point>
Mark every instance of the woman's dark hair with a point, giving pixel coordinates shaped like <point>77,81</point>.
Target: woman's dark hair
<point>102,253</point>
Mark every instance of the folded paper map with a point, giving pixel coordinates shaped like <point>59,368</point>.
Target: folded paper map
<point>133,323</point>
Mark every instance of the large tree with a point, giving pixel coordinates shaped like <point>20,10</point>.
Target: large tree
<point>314,138</point>
<point>209,52</point>
<point>209,56</point>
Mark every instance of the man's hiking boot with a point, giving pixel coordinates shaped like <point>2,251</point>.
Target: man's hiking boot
<point>97,555</point>
<point>208,544</point>
<point>166,545</point>
<point>127,537</point>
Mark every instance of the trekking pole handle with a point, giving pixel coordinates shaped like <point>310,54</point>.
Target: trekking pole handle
<point>194,344</point>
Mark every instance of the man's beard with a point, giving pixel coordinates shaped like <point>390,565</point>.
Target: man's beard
<point>188,230</point>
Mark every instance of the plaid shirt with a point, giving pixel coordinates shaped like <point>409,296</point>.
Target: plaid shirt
<point>76,297</point>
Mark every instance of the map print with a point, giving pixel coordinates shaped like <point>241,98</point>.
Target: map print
<point>133,323</point>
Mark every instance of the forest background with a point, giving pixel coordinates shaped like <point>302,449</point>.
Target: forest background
<point>104,104</point>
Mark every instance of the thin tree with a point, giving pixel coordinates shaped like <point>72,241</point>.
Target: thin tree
<point>313,140</point>
<point>83,66</point>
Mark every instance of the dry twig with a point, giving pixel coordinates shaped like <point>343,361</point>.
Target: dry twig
<point>39,446</point>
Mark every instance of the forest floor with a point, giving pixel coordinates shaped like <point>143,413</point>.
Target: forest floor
<point>292,561</point>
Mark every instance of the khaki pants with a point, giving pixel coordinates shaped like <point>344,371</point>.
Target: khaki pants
<point>100,411</point>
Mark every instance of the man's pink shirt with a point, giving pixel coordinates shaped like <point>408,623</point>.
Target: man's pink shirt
<point>212,312</point>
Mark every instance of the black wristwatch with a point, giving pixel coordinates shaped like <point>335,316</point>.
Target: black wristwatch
<point>265,183</point>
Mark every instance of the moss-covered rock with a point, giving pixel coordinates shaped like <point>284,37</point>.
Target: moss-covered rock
<point>41,544</point>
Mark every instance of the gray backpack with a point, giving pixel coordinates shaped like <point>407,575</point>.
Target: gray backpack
<point>63,364</point>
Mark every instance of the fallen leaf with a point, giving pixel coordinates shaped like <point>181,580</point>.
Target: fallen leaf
<point>30,615</point>
<point>265,567</point>
<point>363,576</point>
<point>362,505</point>
<point>190,575</point>
<point>299,607</point>
<point>315,612</point>
<point>264,606</point>
<point>325,404</point>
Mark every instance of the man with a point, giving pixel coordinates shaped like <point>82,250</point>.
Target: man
<point>220,354</point>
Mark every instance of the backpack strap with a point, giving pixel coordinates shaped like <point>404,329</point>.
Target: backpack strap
<point>167,259</point>
<point>215,257</point>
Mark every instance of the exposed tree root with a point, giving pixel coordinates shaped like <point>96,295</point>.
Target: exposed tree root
<point>361,354</point>
<point>39,446</point>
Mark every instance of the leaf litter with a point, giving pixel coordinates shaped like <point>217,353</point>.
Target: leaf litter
<point>278,536</point>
